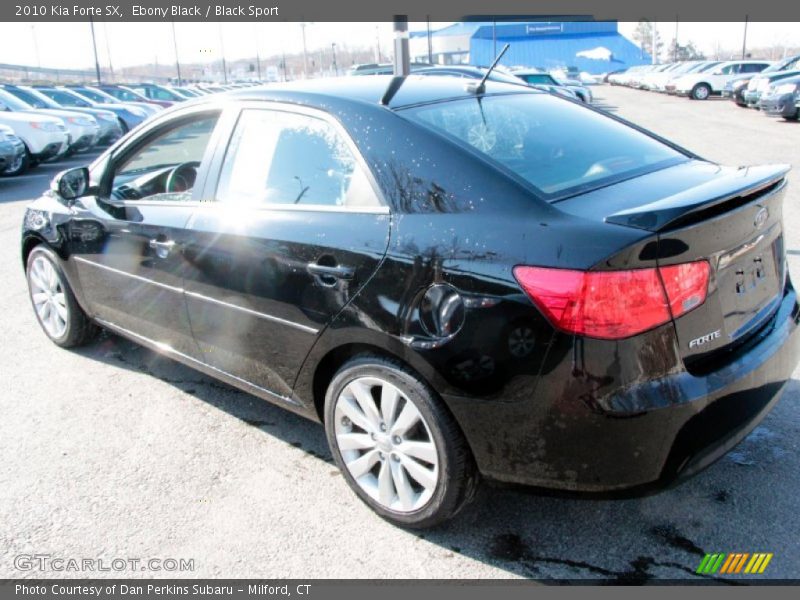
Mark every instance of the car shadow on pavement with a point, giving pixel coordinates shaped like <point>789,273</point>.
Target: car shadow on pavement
<point>551,538</point>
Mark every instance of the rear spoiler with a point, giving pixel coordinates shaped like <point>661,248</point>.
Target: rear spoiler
<point>731,189</point>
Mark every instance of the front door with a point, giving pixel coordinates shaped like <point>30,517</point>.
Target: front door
<point>295,229</point>
<point>127,241</point>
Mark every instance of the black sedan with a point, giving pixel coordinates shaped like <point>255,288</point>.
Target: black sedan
<point>457,281</point>
<point>735,89</point>
<point>12,153</point>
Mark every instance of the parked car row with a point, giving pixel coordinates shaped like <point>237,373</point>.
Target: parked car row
<point>775,90</point>
<point>762,84</point>
<point>41,123</point>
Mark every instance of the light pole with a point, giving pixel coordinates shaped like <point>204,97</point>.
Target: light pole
<point>335,68</point>
<point>305,52</point>
<point>222,52</point>
<point>654,42</point>
<point>36,46</point>
<point>430,45</point>
<point>744,39</point>
<point>177,61</point>
<point>108,51</point>
<point>402,66</point>
<point>94,46</point>
<point>258,57</point>
<point>675,54</point>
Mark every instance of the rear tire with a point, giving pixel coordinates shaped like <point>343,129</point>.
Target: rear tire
<point>396,444</point>
<point>58,312</point>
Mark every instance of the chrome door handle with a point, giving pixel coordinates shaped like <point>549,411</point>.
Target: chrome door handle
<point>327,275</point>
<point>162,248</point>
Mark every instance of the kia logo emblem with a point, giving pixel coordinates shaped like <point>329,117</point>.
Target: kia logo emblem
<point>761,218</point>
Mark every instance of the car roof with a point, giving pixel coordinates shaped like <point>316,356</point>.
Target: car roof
<point>415,89</point>
<point>529,72</point>
<point>791,79</point>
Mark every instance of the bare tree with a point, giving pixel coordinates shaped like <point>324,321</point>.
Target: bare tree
<point>643,35</point>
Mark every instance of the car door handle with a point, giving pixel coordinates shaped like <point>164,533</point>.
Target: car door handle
<point>328,274</point>
<point>162,248</point>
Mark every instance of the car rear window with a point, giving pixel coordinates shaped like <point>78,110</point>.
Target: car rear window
<point>557,146</point>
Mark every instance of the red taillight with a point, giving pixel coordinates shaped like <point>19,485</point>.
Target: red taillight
<point>614,304</point>
<point>686,285</point>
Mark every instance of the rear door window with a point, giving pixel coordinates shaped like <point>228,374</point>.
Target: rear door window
<point>277,157</point>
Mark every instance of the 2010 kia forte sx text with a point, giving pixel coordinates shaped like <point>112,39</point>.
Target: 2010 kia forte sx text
<point>457,281</point>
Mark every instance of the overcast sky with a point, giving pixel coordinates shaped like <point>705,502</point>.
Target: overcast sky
<point>68,45</point>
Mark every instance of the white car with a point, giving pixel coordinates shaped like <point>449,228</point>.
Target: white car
<point>699,86</point>
<point>44,137</point>
<point>83,129</point>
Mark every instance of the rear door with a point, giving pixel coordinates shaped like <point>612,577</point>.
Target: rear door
<point>293,227</point>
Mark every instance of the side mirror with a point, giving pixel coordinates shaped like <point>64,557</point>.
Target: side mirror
<point>72,183</point>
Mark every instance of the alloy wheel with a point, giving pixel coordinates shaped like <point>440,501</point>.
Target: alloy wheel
<point>386,444</point>
<point>47,293</point>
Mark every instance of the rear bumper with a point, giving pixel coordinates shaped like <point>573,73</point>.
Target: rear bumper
<point>573,436</point>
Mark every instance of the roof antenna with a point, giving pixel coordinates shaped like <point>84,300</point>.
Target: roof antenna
<point>394,87</point>
<point>481,87</point>
<point>402,65</point>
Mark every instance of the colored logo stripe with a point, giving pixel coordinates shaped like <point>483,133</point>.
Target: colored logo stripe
<point>734,563</point>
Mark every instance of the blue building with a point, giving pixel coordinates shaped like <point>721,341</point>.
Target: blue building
<point>591,46</point>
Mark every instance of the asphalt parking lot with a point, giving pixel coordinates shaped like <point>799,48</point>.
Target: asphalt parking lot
<point>111,451</point>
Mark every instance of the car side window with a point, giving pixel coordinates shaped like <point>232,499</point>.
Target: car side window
<point>277,157</point>
<point>165,166</point>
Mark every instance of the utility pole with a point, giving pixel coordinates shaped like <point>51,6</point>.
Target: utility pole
<point>222,52</point>
<point>377,44</point>
<point>402,63</point>
<point>744,39</point>
<point>305,52</point>
<point>335,68</point>
<point>94,46</point>
<point>177,61</point>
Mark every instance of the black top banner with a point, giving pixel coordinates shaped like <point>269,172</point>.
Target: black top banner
<point>416,10</point>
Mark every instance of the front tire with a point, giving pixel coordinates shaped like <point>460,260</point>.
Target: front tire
<point>18,166</point>
<point>701,91</point>
<point>54,304</point>
<point>397,446</point>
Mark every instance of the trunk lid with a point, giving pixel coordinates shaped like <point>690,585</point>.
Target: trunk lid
<point>730,217</point>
